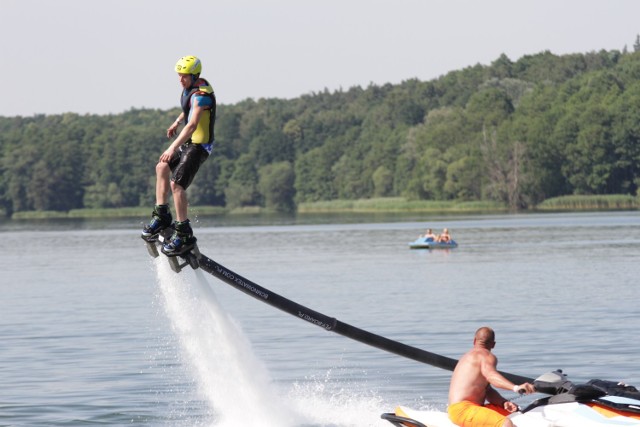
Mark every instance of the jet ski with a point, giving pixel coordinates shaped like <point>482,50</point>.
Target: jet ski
<point>598,403</point>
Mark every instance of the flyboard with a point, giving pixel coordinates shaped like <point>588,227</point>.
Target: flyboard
<point>177,261</point>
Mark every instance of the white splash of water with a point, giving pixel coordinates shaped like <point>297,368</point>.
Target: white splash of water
<point>236,385</point>
<point>327,402</point>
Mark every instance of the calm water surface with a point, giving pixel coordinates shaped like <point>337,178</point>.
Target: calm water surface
<point>94,331</point>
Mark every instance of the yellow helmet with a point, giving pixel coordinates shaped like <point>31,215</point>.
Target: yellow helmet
<point>189,65</point>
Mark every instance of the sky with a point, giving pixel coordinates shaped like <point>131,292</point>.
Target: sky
<point>109,56</point>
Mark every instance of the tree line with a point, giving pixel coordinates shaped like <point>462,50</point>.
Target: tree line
<point>513,132</point>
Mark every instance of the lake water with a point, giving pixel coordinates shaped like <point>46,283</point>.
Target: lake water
<point>94,331</point>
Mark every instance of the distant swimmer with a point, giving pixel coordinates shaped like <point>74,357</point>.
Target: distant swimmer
<point>444,237</point>
<point>429,235</point>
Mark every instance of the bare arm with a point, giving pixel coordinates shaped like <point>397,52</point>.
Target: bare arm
<point>173,129</point>
<point>497,380</point>
<point>488,368</point>
<point>185,134</point>
<point>494,397</point>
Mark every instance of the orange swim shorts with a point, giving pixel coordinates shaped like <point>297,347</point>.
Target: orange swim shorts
<point>469,414</point>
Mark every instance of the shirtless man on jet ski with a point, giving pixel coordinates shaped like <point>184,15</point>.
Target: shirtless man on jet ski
<point>473,382</point>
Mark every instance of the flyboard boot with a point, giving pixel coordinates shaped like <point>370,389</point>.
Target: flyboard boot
<point>181,241</point>
<point>161,221</point>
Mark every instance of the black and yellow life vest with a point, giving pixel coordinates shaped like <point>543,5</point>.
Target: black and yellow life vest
<point>204,133</point>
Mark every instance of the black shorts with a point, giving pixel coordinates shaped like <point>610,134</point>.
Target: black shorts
<point>185,164</point>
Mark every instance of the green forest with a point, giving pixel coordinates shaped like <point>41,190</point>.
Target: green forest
<point>512,132</point>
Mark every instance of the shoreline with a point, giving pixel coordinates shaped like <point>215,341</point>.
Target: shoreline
<point>395,205</point>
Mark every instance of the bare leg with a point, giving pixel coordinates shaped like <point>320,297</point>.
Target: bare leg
<point>507,423</point>
<point>163,176</point>
<point>180,200</point>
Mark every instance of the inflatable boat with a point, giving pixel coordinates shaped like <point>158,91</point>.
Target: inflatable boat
<point>429,243</point>
<point>597,403</point>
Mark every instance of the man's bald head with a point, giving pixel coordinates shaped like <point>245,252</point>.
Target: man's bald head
<point>485,337</point>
